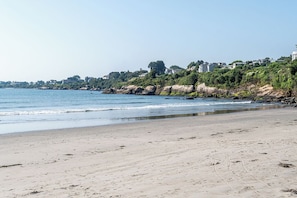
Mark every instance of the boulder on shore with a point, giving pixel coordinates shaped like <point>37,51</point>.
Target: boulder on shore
<point>183,89</point>
<point>149,90</point>
<point>210,91</point>
<point>177,90</point>
<point>261,94</point>
<point>166,90</point>
<point>130,89</point>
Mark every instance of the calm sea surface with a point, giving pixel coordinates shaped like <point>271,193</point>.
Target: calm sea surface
<point>31,109</point>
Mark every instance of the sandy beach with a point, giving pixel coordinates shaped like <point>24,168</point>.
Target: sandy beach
<point>245,154</point>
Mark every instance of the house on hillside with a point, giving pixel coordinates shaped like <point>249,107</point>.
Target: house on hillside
<point>203,67</point>
<point>207,67</point>
<point>236,64</point>
<point>294,55</point>
<point>169,71</point>
<point>211,66</point>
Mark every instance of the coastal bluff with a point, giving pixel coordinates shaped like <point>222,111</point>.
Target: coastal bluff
<point>152,90</point>
<point>257,93</point>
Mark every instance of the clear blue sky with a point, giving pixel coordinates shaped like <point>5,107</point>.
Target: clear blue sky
<point>55,39</point>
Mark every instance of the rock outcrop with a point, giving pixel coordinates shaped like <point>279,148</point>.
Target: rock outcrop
<point>268,91</point>
<point>182,89</point>
<point>206,91</point>
<point>130,89</point>
<point>177,90</point>
<point>166,91</point>
<point>261,94</point>
<point>149,90</point>
<point>152,90</point>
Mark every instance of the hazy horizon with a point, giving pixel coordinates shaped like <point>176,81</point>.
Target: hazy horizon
<point>51,39</point>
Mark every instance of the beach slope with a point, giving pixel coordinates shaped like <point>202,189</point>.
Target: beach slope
<point>245,154</point>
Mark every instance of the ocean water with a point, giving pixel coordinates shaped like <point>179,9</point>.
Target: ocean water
<point>24,110</point>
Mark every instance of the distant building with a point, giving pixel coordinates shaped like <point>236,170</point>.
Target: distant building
<point>174,70</point>
<point>221,64</point>
<point>203,67</point>
<point>192,68</point>
<point>294,55</point>
<point>211,67</point>
<point>236,64</point>
<point>169,71</point>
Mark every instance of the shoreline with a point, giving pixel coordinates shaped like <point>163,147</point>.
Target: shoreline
<point>149,118</point>
<point>242,154</point>
<point>145,120</point>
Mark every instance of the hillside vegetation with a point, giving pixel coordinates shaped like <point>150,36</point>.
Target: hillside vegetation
<point>281,75</point>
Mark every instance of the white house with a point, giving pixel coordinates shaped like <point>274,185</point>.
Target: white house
<point>236,64</point>
<point>208,67</point>
<point>294,55</point>
<point>211,67</point>
<point>203,67</point>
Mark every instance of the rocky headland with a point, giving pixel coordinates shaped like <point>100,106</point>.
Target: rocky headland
<point>265,93</point>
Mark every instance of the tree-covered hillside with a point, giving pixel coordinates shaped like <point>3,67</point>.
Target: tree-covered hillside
<point>280,74</point>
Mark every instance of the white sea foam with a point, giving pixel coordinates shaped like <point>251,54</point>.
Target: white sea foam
<point>70,108</point>
<point>86,110</point>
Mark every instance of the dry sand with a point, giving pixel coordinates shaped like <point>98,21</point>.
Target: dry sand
<point>246,154</point>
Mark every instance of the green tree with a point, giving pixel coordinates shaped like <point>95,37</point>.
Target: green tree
<point>176,69</point>
<point>114,75</point>
<point>158,67</point>
<point>191,64</point>
<point>293,67</point>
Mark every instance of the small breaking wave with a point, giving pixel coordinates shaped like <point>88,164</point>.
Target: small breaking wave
<point>122,107</point>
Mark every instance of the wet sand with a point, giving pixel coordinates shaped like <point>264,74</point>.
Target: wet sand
<point>245,154</point>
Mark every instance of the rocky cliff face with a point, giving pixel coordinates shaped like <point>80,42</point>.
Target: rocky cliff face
<point>206,91</point>
<point>177,90</point>
<point>268,94</point>
<point>265,93</point>
<point>152,90</point>
<point>268,91</point>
